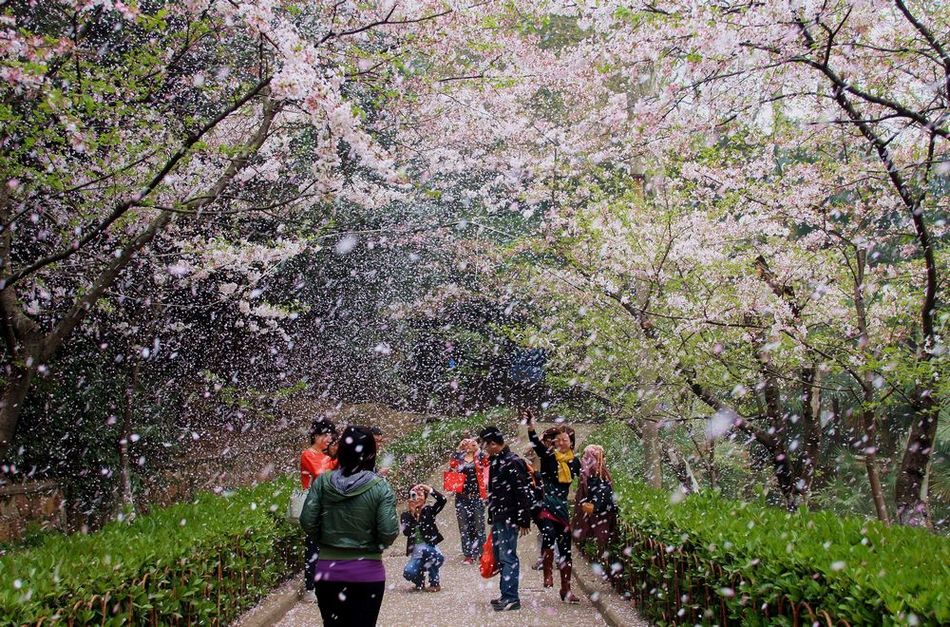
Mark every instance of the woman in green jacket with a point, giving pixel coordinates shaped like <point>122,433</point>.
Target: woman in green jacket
<point>351,514</point>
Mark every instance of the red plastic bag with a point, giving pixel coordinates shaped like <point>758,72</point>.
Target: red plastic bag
<point>453,481</point>
<point>488,564</point>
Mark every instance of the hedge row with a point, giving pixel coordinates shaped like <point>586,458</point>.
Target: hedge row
<point>705,558</point>
<point>414,456</point>
<point>202,562</point>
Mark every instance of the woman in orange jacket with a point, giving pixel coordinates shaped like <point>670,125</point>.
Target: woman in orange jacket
<point>470,502</point>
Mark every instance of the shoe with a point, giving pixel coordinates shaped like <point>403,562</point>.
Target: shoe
<point>468,561</point>
<point>547,557</point>
<point>538,564</point>
<point>308,596</point>
<point>507,606</point>
<point>435,588</point>
<point>495,601</point>
<point>566,595</point>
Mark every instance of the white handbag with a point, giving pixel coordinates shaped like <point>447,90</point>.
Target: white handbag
<point>297,498</point>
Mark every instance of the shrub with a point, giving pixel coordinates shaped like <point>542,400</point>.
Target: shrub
<point>706,557</point>
<point>194,563</point>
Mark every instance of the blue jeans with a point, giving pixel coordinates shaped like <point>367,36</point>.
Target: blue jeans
<point>425,559</point>
<point>504,538</point>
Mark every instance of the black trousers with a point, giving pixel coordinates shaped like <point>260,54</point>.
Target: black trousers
<point>470,513</point>
<point>553,534</point>
<point>350,604</point>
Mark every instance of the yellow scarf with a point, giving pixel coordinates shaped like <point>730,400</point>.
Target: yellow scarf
<point>563,470</point>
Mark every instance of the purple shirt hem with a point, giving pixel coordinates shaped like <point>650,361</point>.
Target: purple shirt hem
<point>353,571</point>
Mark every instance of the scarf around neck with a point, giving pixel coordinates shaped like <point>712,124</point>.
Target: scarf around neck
<point>563,470</point>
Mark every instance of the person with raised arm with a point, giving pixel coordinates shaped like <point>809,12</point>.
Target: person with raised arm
<point>422,533</point>
<point>559,467</point>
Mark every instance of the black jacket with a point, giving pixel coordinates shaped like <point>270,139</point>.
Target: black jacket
<point>548,470</point>
<point>509,490</point>
<point>426,522</point>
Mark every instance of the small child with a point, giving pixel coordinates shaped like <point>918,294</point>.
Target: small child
<point>422,534</point>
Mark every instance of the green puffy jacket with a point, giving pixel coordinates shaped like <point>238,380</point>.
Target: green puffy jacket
<point>350,517</point>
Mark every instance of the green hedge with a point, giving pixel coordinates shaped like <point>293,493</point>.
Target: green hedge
<point>762,564</point>
<point>414,456</point>
<point>201,562</point>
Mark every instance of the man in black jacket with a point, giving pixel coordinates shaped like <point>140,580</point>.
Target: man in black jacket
<point>509,512</point>
<point>422,534</point>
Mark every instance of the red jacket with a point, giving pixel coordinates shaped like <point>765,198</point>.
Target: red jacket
<point>312,465</point>
<point>481,470</point>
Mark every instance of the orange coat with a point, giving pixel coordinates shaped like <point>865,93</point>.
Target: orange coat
<point>481,471</point>
<point>312,465</point>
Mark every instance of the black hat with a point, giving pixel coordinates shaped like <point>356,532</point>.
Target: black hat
<point>322,426</point>
<point>492,434</point>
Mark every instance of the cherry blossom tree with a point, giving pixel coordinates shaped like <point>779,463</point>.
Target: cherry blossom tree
<point>135,125</point>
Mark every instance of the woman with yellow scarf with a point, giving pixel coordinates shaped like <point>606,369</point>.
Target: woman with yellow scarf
<point>559,467</point>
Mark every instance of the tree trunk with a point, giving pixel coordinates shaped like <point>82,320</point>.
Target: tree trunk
<point>652,469</point>
<point>681,469</point>
<point>17,384</point>
<point>877,492</point>
<point>811,426</point>
<point>126,504</point>
<point>910,494</point>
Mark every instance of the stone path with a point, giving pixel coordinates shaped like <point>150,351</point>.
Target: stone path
<point>465,595</point>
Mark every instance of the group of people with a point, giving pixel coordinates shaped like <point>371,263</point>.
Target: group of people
<point>350,514</point>
<point>519,493</point>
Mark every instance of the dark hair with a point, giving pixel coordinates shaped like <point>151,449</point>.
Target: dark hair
<point>357,450</point>
<point>570,432</point>
<point>376,431</point>
<point>321,426</point>
<point>492,434</point>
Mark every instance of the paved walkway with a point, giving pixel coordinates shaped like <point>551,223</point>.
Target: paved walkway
<point>465,595</point>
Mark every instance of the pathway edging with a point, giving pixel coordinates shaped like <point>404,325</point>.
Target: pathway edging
<point>611,605</point>
<point>272,608</point>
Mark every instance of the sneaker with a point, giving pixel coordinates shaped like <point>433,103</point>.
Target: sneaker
<point>506,606</point>
<point>468,561</point>
<point>435,588</point>
<point>308,596</point>
<point>538,565</point>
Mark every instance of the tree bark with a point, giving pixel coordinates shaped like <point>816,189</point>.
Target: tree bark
<point>126,502</point>
<point>679,464</point>
<point>910,494</point>
<point>653,471</point>
<point>18,381</point>
<point>877,491</point>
